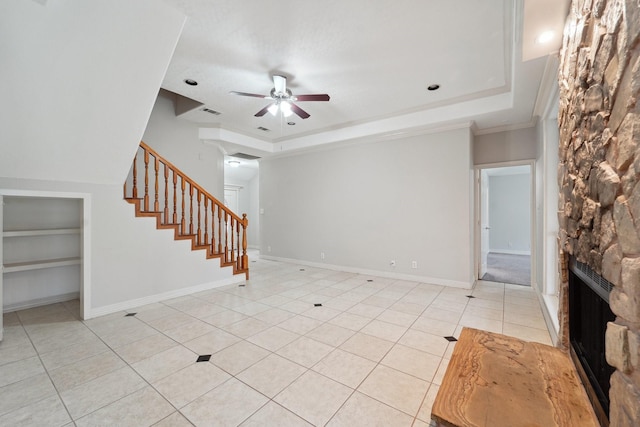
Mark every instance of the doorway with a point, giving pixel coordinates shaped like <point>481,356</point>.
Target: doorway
<point>231,197</point>
<point>505,222</point>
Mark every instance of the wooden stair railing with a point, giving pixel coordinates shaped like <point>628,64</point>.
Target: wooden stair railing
<point>179,203</point>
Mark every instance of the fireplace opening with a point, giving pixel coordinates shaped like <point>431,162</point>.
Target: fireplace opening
<point>589,313</point>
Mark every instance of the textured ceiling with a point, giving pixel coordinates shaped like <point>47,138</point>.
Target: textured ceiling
<point>374,58</point>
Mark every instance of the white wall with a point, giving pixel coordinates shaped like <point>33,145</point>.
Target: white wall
<point>177,141</point>
<point>510,213</point>
<point>78,81</point>
<point>547,220</point>
<point>505,146</point>
<point>365,205</point>
<point>253,213</point>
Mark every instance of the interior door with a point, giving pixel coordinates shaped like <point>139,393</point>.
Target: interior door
<point>484,222</point>
<point>231,199</point>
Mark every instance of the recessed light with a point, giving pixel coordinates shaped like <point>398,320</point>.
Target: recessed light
<point>191,82</point>
<point>545,37</point>
<point>433,87</point>
<point>291,123</point>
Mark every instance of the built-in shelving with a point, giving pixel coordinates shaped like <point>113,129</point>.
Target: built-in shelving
<point>15,267</point>
<point>41,250</point>
<point>44,232</point>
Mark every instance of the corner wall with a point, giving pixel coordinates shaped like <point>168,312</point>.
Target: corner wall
<point>79,79</point>
<point>177,141</point>
<point>365,205</point>
<point>79,83</point>
<point>506,146</point>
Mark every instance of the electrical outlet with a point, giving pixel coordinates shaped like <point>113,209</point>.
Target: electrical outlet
<point>414,264</point>
<point>321,255</point>
<point>268,248</point>
<point>392,263</point>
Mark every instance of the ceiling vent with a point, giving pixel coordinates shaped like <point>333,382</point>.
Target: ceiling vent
<point>244,156</point>
<point>264,129</point>
<point>210,111</point>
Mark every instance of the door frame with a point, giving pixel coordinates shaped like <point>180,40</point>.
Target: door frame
<point>477,211</point>
<point>483,222</point>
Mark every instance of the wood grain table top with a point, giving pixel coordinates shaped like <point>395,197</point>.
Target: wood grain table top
<point>494,380</point>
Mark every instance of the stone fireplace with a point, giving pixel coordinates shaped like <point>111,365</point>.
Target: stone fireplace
<point>599,179</point>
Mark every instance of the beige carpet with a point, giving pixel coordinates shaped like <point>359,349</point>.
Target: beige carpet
<point>507,268</point>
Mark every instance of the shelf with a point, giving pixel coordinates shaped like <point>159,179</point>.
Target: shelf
<point>40,264</point>
<point>42,232</point>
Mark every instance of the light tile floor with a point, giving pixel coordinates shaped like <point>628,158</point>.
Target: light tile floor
<point>373,354</point>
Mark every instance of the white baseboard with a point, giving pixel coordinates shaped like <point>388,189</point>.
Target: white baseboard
<point>398,276</point>
<point>40,301</point>
<point>126,305</point>
<point>549,305</point>
<point>509,252</point>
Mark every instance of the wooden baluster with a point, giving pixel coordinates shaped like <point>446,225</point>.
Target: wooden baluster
<point>182,221</point>
<point>156,205</point>
<point>175,210</point>
<point>238,244</point>
<point>190,208</point>
<point>245,258</point>
<point>213,226</point>
<point>199,232</point>
<point>165,219</point>
<point>219,230</point>
<point>135,176</point>
<point>206,222</point>
<point>233,252</point>
<point>226,236</point>
<point>146,180</point>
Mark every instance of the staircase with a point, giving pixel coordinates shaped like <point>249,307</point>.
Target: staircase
<point>178,203</point>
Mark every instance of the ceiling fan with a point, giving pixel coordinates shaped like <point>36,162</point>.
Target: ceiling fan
<point>283,99</point>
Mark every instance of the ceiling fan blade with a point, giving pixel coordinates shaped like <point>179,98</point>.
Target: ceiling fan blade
<point>263,111</point>
<point>314,97</point>
<point>255,95</point>
<point>280,84</point>
<point>299,111</point>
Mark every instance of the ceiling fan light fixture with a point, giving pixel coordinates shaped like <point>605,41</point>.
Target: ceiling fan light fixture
<point>285,107</point>
<point>283,99</point>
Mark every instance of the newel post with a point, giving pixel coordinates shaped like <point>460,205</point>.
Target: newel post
<point>245,258</point>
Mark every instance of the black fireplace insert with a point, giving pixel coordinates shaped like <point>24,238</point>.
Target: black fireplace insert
<point>589,313</point>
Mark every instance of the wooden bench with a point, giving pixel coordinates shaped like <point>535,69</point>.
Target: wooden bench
<point>494,380</point>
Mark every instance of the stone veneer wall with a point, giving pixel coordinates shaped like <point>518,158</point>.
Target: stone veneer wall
<point>599,177</point>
